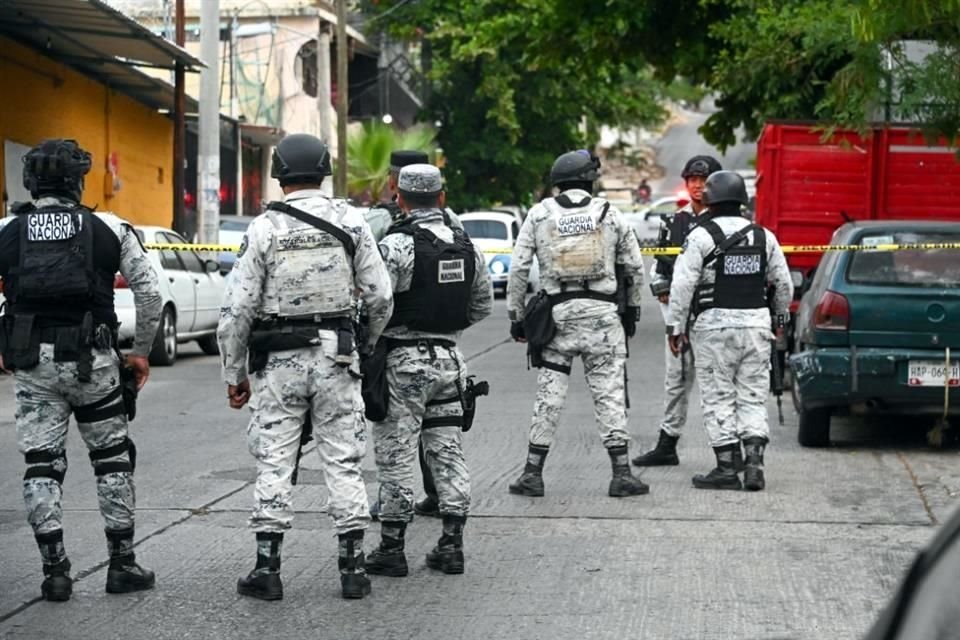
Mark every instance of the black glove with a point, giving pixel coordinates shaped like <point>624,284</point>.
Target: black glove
<point>629,321</point>
<point>517,332</point>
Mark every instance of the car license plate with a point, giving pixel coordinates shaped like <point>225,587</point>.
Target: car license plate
<point>933,373</point>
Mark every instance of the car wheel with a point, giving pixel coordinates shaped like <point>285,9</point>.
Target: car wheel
<point>814,428</point>
<point>208,344</point>
<point>164,352</point>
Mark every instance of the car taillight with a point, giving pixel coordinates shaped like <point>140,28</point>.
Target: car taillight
<point>119,282</point>
<point>832,312</point>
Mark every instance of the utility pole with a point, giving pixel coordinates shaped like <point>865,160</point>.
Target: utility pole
<point>323,80</point>
<point>235,112</point>
<point>179,107</point>
<point>343,84</point>
<point>208,166</point>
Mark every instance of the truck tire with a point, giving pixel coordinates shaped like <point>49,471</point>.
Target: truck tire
<point>164,351</point>
<point>814,428</point>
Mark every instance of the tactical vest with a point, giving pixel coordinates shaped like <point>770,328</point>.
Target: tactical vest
<point>740,270</point>
<point>576,247</point>
<point>314,266</point>
<point>674,233</point>
<point>441,288</point>
<point>60,274</point>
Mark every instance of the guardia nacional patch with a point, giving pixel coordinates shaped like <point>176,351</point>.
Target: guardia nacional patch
<point>243,246</point>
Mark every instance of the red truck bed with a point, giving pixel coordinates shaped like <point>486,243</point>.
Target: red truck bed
<point>806,184</point>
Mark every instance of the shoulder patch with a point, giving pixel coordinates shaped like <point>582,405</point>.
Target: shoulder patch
<point>243,246</point>
<point>384,250</point>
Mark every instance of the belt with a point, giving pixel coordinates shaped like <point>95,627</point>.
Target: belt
<point>329,324</point>
<point>396,343</point>
<point>566,296</point>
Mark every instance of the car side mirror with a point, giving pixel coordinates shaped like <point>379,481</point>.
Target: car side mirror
<point>212,266</point>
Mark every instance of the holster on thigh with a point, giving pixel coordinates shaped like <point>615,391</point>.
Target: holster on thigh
<point>109,406</point>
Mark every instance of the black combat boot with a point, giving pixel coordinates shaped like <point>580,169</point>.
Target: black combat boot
<point>738,464</point>
<point>753,475</point>
<point>447,556</point>
<point>623,482</point>
<point>388,559</point>
<point>124,575</point>
<point>57,585</point>
<point>354,583</point>
<point>264,581</point>
<point>664,454</point>
<point>530,482</point>
<point>724,476</point>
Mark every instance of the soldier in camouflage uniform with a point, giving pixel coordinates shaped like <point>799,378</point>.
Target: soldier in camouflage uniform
<point>288,305</point>
<point>380,218</point>
<point>58,260</point>
<point>678,374</point>
<point>725,270</point>
<point>441,286</point>
<point>581,243</point>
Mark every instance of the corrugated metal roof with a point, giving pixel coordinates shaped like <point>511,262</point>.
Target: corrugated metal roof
<point>98,41</point>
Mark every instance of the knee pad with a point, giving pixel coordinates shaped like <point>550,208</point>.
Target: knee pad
<point>117,458</point>
<point>49,463</point>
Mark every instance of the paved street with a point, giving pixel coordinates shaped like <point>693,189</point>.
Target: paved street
<point>814,556</point>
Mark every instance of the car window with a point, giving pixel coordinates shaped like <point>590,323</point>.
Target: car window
<point>665,207</point>
<point>911,267</point>
<point>169,260</point>
<point>485,229</point>
<point>234,225</point>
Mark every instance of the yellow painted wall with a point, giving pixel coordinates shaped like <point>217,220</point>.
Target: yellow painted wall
<point>44,99</point>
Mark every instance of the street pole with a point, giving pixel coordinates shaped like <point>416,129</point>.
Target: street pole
<point>343,84</point>
<point>235,112</point>
<point>208,166</point>
<point>179,130</point>
<point>323,80</point>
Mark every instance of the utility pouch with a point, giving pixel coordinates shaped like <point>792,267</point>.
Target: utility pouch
<point>344,345</point>
<point>538,322</point>
<point>67,345</point>
<point>128,386</point>
<point>373,388</point>
<point>24,346</point>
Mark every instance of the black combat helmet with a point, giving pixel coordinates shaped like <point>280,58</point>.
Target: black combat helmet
<point>56,168</point>
<point>725,186</point>
<point>575,166</point>
<point>300,158</point>
<point>700,166</point>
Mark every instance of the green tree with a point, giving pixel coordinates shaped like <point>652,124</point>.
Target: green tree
<point>368,156</point>
<point>507,103</point>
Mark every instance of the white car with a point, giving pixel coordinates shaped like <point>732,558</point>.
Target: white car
<point>646,221</point>
<point>495,233</point>
<point>192,290</point>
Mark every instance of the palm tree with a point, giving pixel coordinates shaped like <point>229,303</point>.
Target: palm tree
<point>368,156</point>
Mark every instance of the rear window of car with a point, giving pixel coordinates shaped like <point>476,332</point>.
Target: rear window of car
<point>485,229</point>
<point>234,225</point>
<point>909,267</point>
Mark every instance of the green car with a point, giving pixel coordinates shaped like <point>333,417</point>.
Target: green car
<point>879,331</point>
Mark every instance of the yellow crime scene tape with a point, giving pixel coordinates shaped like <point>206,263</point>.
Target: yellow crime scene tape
<point>647,251</point>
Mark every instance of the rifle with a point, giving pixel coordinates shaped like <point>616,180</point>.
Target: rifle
<point>624,282</point>
<point>776,367</point>
<point>306,435</point>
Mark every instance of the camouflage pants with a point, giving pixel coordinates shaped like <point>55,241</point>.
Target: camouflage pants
<point>46,395</point>
<point>734,378</point>
<point>425,405</point>
<point>678,378</point>
<point>293,383</point>
<point>601,344</point>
